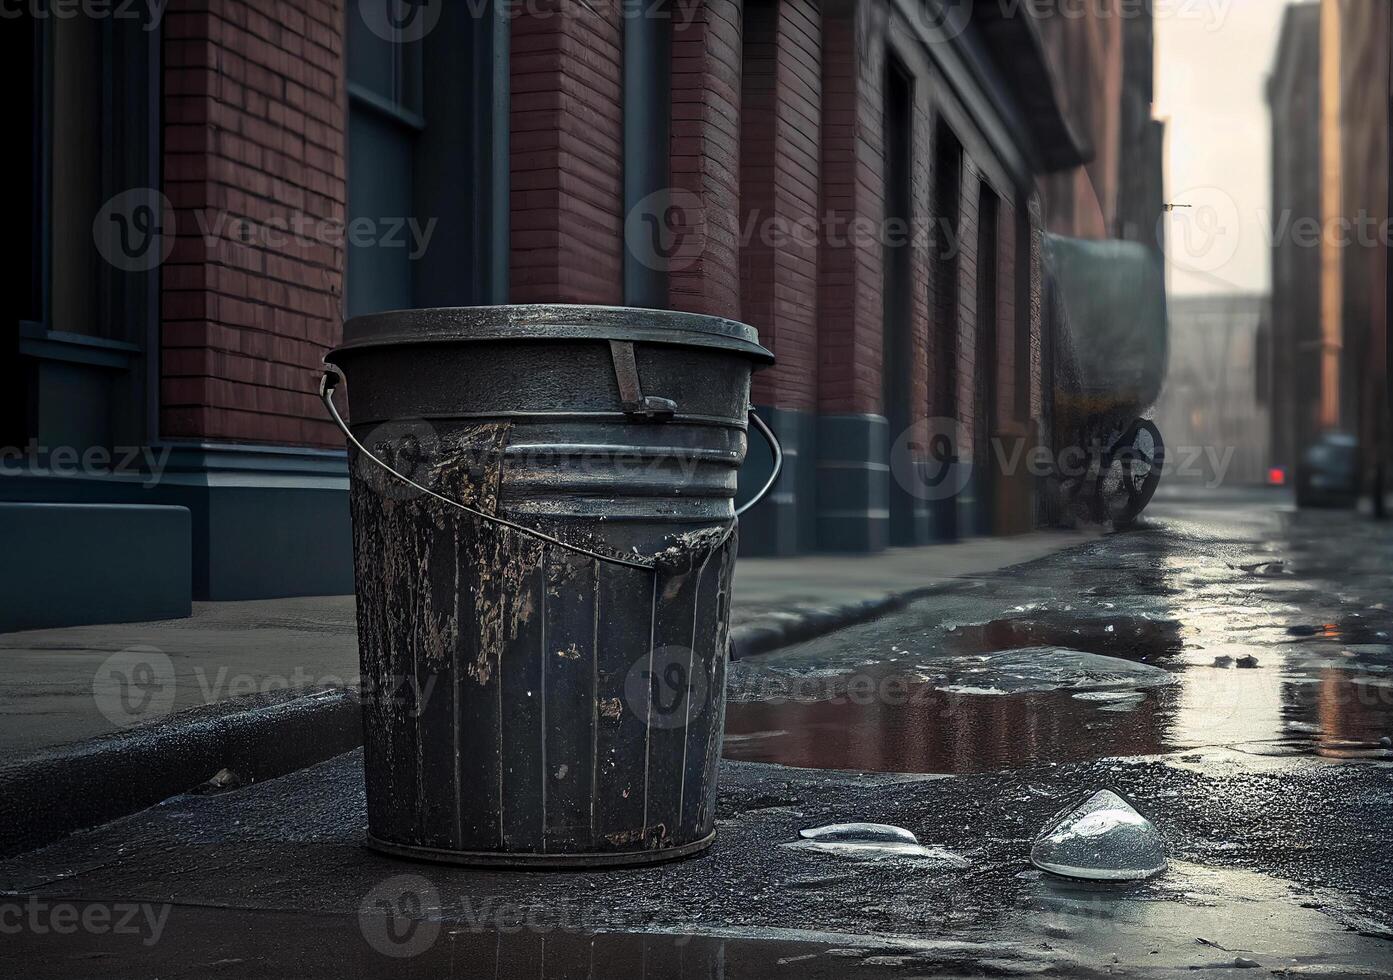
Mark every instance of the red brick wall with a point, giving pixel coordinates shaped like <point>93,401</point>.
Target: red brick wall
<point>1007,328</point>
<point>567,154</point>
<point>967,305</point>
<point>254,134</point>
<point>780,120</point>
<point>704,163</point>
<point>849,295</point>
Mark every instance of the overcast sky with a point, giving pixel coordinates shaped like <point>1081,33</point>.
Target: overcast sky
<point>1212,62</point>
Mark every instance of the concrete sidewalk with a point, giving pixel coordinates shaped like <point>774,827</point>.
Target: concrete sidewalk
<point>60,686</point>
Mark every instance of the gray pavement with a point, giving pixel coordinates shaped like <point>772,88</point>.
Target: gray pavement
<point>273,880</point>
<point>1268,778</point>
<point>59,686</point>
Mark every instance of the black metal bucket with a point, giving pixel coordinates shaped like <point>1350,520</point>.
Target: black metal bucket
<point>543,539</point>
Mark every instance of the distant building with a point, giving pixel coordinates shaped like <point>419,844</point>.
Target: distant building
<point>1364,125</point>
<point>1293,93</point>
<point>1329,92</point>
<point>1106,65</point>
<point>1212,412</point>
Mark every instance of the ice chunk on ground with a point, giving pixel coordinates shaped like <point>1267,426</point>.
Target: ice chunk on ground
<point>860,832</point>
<point>872,841</point>
<point>1104,839</point>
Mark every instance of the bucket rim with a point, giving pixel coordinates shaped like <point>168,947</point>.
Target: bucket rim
<point>548,321</point>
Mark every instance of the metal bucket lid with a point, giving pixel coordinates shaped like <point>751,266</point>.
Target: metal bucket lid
<point>549,322</point>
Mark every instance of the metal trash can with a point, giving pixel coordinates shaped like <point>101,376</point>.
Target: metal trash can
<point>544,535</point>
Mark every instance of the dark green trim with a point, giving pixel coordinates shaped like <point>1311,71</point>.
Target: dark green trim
<point>853,481</point>
<point>93,563</point>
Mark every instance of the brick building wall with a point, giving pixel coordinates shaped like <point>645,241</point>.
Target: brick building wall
<point>775,157</point>
<point>1087,52</point>
<point>779,194</point>
<point>1365,162</point>
<point>253,141</point>
<point>704,164</point>
<point>850,306</point>
<point>566,142</point>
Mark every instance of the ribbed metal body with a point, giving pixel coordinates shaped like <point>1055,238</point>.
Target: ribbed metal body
<point>523,703</point>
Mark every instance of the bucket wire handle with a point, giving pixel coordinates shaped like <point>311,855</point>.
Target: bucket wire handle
<point>778,452</point>
<point>331,379</point>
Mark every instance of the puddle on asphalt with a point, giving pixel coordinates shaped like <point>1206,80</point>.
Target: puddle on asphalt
<point>503,939</point>
<point>972,712</point>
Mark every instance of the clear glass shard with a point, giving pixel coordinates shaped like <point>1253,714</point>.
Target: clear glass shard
<point>1103,839</point>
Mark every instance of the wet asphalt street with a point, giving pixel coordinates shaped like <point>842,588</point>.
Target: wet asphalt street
<point>1227,666</point>
<point>1237,622</point>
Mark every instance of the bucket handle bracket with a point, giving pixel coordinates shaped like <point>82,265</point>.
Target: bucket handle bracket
<point>636,405</point>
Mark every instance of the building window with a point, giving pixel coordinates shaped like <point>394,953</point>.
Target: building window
<point>427,157</point>
<point>80,333</point>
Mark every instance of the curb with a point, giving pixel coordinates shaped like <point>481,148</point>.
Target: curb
<point>48,796</point>
<point>51,795</point>
<point>773,631</point>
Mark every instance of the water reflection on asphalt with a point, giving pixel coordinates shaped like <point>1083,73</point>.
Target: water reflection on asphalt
<point>1274,625</point>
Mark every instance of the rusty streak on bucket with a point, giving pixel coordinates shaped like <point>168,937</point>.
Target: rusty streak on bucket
<point>544,539</point>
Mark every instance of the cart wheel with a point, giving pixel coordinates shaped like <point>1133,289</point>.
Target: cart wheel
<point>1131,472</point>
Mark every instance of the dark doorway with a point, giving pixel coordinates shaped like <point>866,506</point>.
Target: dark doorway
<point>897,350</point>
<point>943,374</point>
<point>984,421</point>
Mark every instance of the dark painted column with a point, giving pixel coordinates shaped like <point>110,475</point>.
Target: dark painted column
<point>647,110</point>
